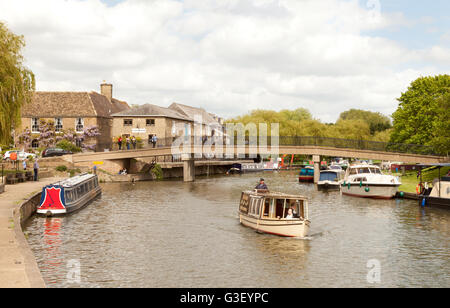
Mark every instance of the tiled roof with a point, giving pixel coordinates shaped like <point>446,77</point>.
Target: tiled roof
<point>192,112</point>
<point>71,104</point>
<point>149,110</point>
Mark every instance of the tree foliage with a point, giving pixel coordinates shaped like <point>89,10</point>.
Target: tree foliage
<point>300,122</point>
<point>423,114</point>
<point>17,83</point>
<point>377,122</point>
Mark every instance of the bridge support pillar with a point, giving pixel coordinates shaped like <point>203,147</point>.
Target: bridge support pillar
<point>316,160</point>
<point>188,169</point>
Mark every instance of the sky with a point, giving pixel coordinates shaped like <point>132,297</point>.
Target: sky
<point>234,56</point>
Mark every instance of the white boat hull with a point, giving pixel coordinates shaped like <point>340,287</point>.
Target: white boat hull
<point>328,185</point>
<point>280,227</point>
<point>374,191</point>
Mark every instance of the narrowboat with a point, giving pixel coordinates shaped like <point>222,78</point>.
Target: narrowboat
<point>306,174</point>
<point>367,181</point>
<point>439,196</point>
<point>69,195</point>
<point>252,167</point>
<point>275,213</point>
<point>330,179</point>
<point>235,169</point>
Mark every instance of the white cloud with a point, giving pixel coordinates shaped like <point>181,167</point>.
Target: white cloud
<point>228,56</point>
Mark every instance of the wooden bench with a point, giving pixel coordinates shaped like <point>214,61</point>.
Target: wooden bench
<point>11,179</point>
<point>29,175</point>
<point>21,177</point>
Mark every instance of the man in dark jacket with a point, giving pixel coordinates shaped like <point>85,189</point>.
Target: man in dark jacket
<point>261,185</point>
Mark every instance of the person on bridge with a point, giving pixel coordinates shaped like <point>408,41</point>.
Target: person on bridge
<point>119,142</point>
<point>262,185</point>
<point>154,140</point>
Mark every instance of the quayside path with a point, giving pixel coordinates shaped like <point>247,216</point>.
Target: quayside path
<point>18,267</point>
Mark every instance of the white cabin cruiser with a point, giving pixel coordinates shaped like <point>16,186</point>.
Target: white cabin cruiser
<point>330,179</point>
<point>367,181</point>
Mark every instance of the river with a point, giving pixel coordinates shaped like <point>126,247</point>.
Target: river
<point>175,234</point>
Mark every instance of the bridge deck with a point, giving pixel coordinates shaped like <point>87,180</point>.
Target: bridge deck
<point>235,150</point>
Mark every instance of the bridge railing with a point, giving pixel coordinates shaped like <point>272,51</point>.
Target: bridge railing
<point>304,141</point>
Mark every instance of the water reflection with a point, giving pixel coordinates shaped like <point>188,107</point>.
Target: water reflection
<point>174,234</point>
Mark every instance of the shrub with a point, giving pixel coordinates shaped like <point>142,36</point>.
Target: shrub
<point>68,146</point>
<point>157,172</point>
<point>61,168</point>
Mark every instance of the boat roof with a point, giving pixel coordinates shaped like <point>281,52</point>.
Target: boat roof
<point>75,180</point>
<point>442,165</point>
<point>364,166</point>
<point>273,194</point>
<point>331,170</point>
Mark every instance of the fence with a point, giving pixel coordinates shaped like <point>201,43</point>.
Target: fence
<point>297,141</point>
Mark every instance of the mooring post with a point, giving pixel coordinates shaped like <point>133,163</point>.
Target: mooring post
<point>316,160</point>
<point>188,168</point>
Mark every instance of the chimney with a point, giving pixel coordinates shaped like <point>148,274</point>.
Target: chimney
<point>106,90</point>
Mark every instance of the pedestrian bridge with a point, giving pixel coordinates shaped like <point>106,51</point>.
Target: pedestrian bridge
<point>312,146</point>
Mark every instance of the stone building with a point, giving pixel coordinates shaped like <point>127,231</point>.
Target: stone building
<point>74,110</point>
<point>147,120</point>
<point>210,123</point>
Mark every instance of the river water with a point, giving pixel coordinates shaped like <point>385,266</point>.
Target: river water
<point>175,234</point>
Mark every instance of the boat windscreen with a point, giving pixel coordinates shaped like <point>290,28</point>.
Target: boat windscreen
<point>375,170</point>
<point>328,176</point>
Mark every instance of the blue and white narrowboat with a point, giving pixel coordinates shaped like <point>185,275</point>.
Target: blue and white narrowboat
<point>69,195</point>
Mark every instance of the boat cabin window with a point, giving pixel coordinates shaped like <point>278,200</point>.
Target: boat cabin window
<point>375,170</point>
<point>360,180</point>
<point>296,206</point>
<point>353,171</point>
<point>363,170</point>
<point>255,206</point>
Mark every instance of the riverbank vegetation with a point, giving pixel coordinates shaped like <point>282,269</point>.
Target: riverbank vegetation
<point>17,82</point>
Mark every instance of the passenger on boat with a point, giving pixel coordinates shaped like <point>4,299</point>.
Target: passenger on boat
<point>261,185</point>
<point>290,214</point>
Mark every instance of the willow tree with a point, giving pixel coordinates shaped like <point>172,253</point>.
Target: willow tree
<point>17,83</point>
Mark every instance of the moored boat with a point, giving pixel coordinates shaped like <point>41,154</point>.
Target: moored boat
<point>69,195</point>
<point>274,213</point>
<point>306,174</point>
<point>439,196</point>
<point>367,181</point>
<point>330,179</point>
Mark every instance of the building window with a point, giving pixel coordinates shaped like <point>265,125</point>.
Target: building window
<point>127,122</point>
<point>79,125</point>
<point>35,125</point>
<point>58,125</point>
<point>150,122</point>
<point>35,144</point>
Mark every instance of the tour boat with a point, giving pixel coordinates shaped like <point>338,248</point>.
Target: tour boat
<point>306,174</point>
<point>69,195</point>
<point>330,179</point>
<point>265,212</point>
<point>368,181</point>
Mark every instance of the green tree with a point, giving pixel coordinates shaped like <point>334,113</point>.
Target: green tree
<point>17,83</point>
<point>422,116</point>
<point>441,126</point>
<point>377,122</point>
